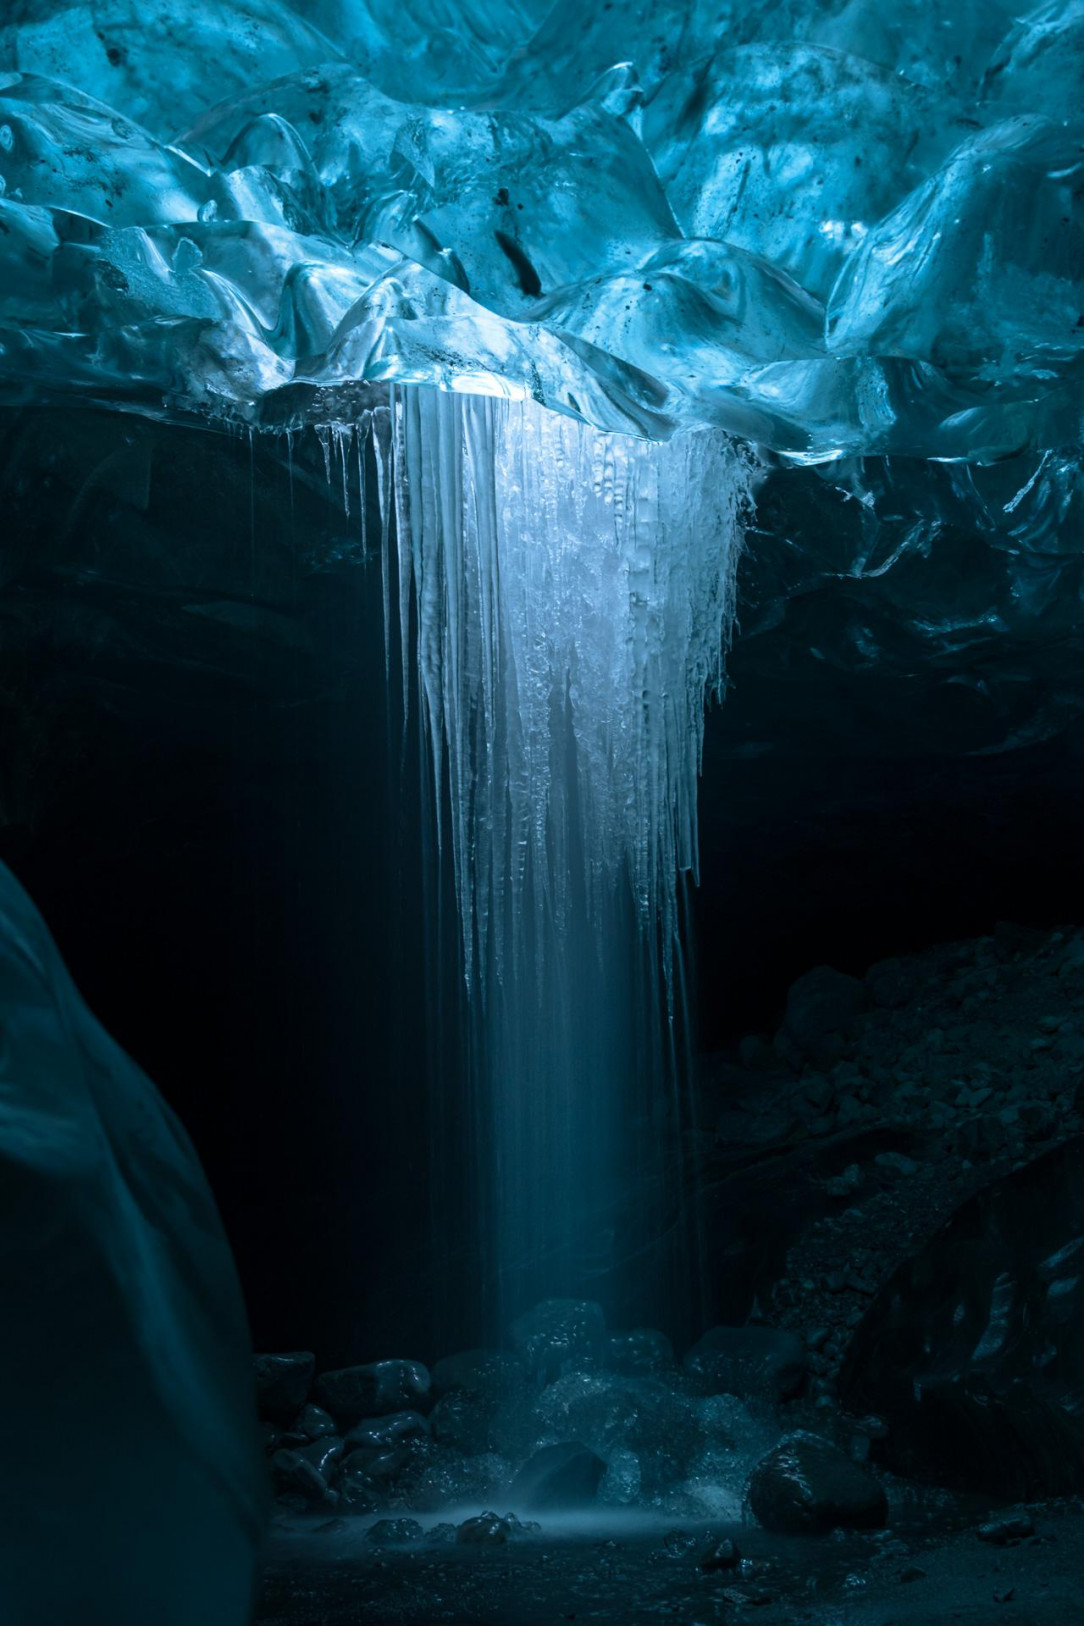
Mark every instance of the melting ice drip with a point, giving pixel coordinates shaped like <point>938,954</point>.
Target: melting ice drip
<point>573,594</point>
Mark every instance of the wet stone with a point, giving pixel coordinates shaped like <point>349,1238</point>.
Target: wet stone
<point>382,1432</point>
<point>293,1474</point>
<point>642,1352</point>
<point>476,1371</point>
<point>313,1422</point>
<point>462,1420</point>
<point>376,1390</point>
<point>721,1555</point>
<point>442,1535</point>
<point>1005,1531</point>
<point>559,1335</point>
<point>807,1485</point>
<point>395,1533</point>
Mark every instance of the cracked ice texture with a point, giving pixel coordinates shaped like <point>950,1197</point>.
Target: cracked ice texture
<point>832,229</point>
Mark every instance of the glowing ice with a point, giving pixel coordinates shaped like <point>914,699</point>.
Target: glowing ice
<point>834,229</point>
<point>574,594</point>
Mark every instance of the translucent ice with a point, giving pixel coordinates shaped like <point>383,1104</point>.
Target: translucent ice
<point>129,1430</point>
<point>572,598</point>
<point>830,228</point>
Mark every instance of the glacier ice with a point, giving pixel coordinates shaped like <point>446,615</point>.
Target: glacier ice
<point>568,595</point>
<point>832,229</point>
<point>129,1434</point>
<point>544,267</point>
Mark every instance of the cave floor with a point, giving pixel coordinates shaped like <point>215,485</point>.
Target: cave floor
<point>937,1573</point>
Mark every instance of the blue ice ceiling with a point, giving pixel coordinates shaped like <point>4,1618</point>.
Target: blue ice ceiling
<point>829,228</point>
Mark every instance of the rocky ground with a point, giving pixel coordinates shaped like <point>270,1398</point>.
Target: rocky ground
<point>932,1572</point>
<point>937,1098</point>
<point>970,1055</point>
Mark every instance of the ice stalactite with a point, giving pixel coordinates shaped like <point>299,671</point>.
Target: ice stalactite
<point>569,595</point>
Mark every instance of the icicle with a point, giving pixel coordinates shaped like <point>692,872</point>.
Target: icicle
<point>323,435</point>
<point>572,597</point>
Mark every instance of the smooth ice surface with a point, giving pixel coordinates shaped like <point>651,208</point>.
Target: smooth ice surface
<point>131,1481</point>
<point>831,228</point>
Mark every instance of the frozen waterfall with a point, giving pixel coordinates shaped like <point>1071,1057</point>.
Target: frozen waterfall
<point>569,596</point>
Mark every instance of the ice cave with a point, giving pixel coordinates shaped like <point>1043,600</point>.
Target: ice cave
<point>542,678</point>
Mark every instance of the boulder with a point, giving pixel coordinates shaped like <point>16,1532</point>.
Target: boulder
<point>358,1491</point>
<point>282,1384</point>
<point>751,1362</point>
<point>292,1474</point>
<point>642,1352</point>
<point>463,1421</point>
<point>891,983</point>
<point>313,1422</point>
<point>558,1478</point>
<point>807,1486</point>
<point>477,1371</point>
<point>973,1352</point>
<point>395,1533</point>
<point>356,1392</point>
<point>821,1007</point>
<point>381,1432</point>
<point>559,1335</point>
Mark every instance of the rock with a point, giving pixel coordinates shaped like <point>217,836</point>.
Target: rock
<point>1038,1120</point>
<point>896,1162</point>
<point>432,1481</point>
<point>807,1486</point>
<point>313,1422</point>
<point>271,1436</point>
<point>754,1053</point>
<point>643,1352</point>
<point>679,1543</point>
<point>751,1362</point>
<point>282,1384</point>
<point>559,1335</point>
<point>623,1481</point>
<point>891,983</point>
<point>463,1421</point>
<point>912,1573</point>
<point>442,1535</point>
<point>357,1490</point>
<point>1004,1531</point>
<point>721,1555</point>
<point>973,1352</point>
<point>558,1478</point>
<point>383,1387</point>
<point>484,1530</point>
<point>387,1431</point>
<point>981,1138</point>
<point>292,1473</point>
<point>492,1530</point>
<point>478,1371</point>
<point>847,1183</point>
<point>395,1533</point>
<point>323,1453</point>
<point>821,1007</point>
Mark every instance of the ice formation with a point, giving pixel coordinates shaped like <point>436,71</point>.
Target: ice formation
<point>829,228</point>
<point>132,1486</point>
<point>573,594</point>
<point>559,258</point>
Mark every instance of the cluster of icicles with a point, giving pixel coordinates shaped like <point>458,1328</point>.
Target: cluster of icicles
<point>562,600</point>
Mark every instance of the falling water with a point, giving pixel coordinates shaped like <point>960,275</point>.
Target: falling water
<point>567,596</point>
